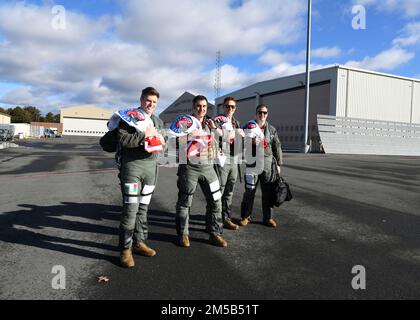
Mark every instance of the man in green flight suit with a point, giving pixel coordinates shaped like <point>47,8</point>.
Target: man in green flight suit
<point>228,173</point>
<point>199,170</point>
<point>138,178</point>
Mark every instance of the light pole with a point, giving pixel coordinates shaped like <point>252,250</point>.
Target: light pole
<point>308,77</point>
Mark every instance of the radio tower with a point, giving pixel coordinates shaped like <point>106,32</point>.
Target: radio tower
<point>218,75</point>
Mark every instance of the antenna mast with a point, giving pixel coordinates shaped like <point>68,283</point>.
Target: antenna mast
<point>218,75</point>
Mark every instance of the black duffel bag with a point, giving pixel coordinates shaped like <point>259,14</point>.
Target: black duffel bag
<point>279,188</point>
<point>281,192</point>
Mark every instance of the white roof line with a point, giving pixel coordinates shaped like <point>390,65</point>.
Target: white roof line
<point>336,66</point>
<point>378,73</point>
<point>85,105</point>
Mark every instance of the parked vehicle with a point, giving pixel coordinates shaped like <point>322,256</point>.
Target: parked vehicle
<point>48,133</point>
<point>6,135</point>
<point>3,134</point>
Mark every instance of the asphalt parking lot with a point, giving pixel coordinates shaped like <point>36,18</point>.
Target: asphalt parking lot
<point>60,206</point>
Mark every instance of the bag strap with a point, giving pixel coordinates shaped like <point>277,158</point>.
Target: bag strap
<point>276,168</point>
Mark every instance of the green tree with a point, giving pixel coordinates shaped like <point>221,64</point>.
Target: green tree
<point>49,117</point>
<point>34,112</point>
<point>2,110</point>
<point>20,115</point>
<point>57,118</point>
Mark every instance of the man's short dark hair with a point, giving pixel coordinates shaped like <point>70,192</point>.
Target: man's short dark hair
<point>199,98</point>
<point>149,91</point>
<point>260,106</point>
<point>227,99</point>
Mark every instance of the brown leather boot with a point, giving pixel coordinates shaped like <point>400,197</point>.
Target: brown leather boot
<point>184,241</point>
<point>244,222</point>
<point>126,259</point>
<point>144,250</point>
<point>218,241</point>
<point>271,223</point>
<point>230,225</point>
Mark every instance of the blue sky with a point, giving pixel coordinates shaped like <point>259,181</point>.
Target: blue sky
<point>110,49</point>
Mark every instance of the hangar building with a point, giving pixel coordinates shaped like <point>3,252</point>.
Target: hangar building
<point>182,105</point>
<point>338,91</point>
<point>85,120</point>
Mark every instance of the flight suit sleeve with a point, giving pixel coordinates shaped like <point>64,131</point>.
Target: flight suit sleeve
<point>276,146</point>
<point>128,136</point>
<point>162,130</point>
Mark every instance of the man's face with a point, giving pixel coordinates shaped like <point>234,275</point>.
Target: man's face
<point>149,104</point>
<point>262,114</point>
<point>230,108</point>
<point>200,108</point>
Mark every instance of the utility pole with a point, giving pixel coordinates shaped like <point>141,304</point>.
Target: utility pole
<point>218,78</point>
<point>308,77</point>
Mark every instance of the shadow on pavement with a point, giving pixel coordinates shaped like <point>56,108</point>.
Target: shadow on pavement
<point>160,218</point>
<point>50,227</point>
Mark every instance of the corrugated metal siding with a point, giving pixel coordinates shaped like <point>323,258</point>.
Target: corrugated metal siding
<point>416,103</point>
<point>286,112</point>
<point>341,93</point>
<point>333,92</point>
<point>279,84</point>
<point>378,97</point>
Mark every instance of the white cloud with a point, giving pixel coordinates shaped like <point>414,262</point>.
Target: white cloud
<point>166,44</point>
<point>285,69</point>
<point>203,27</point>
<point>326,52</point>
<point>272,57</point>
<point>24,96</point>
<point>409,8</point>
<point>386,60</point>
<point>410,35</point>
<point>32,24</point>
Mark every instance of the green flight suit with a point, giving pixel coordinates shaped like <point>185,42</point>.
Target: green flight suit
<point>138,179</point>
<point>189,176</point>
<point>251,181</point>
<point>228,174</point>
